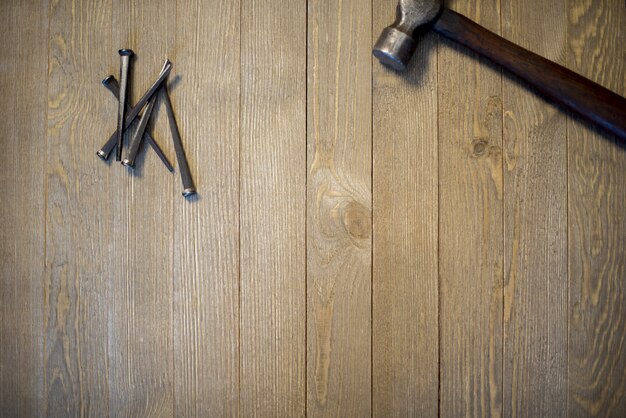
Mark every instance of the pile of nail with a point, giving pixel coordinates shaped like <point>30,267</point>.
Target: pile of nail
<point>127,115</point>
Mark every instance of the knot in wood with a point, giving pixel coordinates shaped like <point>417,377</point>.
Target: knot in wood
<point>357,220</point>
<point>480,148</point>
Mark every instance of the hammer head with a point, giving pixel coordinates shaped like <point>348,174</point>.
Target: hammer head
<point>396,45</point>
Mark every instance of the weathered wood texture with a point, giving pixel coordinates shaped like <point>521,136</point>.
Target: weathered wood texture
<point>206,228</point>
<point>79,216</point>
<point>142,267</point>
<point>535,223</point>
<point>339,225</point>
<point>553,81</point>
<point>597,224</point>
<point>273,195</point>
<point>405,214</point>
<point>438,242</point>
<point>23,83</point>
<point>470,224</point>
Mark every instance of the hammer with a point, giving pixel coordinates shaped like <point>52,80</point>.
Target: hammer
<point>591,101</point>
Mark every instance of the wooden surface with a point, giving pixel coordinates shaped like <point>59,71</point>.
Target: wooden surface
<point>553,81</point>
<point>205,312</point>
<point>339,208</point>
<point>535,224</point>
<point>405,293</point>
<point>596,223</point>
<point>439,242</point>
<point>23,82</point>
<point>470,240</point>
<point>272,236</point>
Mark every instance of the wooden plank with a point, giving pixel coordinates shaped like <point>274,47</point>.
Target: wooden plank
<point>206,232</point>
<point>339,225</point>
<point>405,214</point>
<point>141,346</point>
<point>23,83</point>
<point>597,226</point>
<point>273,195</point>
<point>78,213</point>
<point>535,223</point>
<point>470,224</point>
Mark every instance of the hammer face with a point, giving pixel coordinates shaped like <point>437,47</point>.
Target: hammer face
<point>394,48</point>
<point>396,45</point>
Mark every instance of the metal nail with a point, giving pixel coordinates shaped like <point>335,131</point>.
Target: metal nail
<point>111,84</point>
<point>129,161</point>
<point>125,55</point>
<point>188,187</point>
<point>106,149</point>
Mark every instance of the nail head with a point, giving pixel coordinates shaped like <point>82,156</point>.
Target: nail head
<point>189,192</point>
<point>107,80</point>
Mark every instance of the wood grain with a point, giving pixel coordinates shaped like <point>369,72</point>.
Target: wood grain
<point>405,216</point>
<point>140,345</point>
<point>23,83</point>
<point>272,211</point>
<point>596,226</point>
<point>206,228</point>
<point>339,206</point>
<point>551,80</point>
<point>78,218</point>
<point>535,223</point>
<point>470,224</point>
<point>309,274</point>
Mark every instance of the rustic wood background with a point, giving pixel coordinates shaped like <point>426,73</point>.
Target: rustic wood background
<point>363,243</point>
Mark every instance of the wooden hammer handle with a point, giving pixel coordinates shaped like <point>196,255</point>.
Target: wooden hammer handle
<point>565,87</point>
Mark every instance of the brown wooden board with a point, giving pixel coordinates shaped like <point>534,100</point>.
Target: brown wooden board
<point>596,221</point>
<point>339,225</point>
<point>141,267</point>
<point>535,222</point>
<point>437,242</point>
<point>405,223</point>
<point>23,83</point>
<point>470,223</point>
<point>78,212</point>
<point>272,214</point>
<point>206,227</point>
